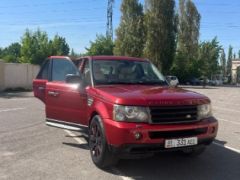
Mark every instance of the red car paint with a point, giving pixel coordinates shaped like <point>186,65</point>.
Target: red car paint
<point>68,105</point>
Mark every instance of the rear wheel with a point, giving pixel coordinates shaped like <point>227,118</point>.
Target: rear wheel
<point>194,151</point>
<point>99,150</point>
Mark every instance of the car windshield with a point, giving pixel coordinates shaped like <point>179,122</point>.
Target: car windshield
<point>126,72</point>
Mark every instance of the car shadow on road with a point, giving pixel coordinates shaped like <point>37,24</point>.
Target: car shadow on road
<point>216,163</point>
<point>83,136</point>
<point>220,142</point>
<point>9,95</point>
<point>82,146</point>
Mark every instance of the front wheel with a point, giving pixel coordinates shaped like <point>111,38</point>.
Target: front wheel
<point>101,156</point>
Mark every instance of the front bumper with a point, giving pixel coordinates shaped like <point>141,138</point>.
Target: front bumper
<point>145,150</point>
<point>123,135</point>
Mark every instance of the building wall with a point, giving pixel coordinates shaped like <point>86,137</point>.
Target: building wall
<point>1,75</point>
<point>13,75</point>
<point>235,65</point>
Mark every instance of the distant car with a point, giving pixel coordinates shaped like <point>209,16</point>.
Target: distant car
<point>201,81</point>
<point>172,80</point>
<point>215,82</point>
<point>192,81</point>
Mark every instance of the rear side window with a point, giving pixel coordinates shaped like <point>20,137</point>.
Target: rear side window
<point>43,74</point>
<point>62,67</point>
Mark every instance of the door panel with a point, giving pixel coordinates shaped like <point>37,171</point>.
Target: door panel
<point>64,102</point>
<point>39,89</point>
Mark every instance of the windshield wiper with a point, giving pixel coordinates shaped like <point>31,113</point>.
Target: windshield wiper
<point>160,82</point>
<point>119,82</point>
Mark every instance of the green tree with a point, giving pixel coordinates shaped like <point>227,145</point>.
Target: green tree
<point>101,46</point>
<point>188,28</point>
<point>234,56</point>
<point>11,53</point>
<point>74,54</point>
<point>239,54</point>
<point>14,49</point>
<point>59,46</point>
<point>35,47</point>
<point>187,40</point>
<point>209,53</point>
<point>229,63</point>
<point>160,23</point>
<point>223,62</point>
<point>130,33</point>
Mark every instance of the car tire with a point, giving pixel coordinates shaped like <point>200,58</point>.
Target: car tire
<point>101,156</point>
<point>193,151</point>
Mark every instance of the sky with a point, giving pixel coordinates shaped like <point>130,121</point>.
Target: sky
<point>80,20</point>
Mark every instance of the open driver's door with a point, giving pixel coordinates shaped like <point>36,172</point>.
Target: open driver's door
<point>39,84</point>
<point>39,89</point>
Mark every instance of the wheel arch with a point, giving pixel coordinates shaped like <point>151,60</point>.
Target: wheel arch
<point>99,108</point>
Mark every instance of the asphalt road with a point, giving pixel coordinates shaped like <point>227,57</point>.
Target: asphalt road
<point>31,150</point>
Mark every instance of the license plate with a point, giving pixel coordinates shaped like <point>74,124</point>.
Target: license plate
<point>181,142</point>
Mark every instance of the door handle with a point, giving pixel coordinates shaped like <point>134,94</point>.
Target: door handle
<point>53,93</point>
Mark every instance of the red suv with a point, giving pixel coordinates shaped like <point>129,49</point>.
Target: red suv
<point>127,106</point>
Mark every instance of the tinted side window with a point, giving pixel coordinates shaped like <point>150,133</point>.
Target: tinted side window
<point>43,74</point>
<point>62,67</point>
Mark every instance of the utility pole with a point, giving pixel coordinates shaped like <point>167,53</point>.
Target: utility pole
<point>109,32</point>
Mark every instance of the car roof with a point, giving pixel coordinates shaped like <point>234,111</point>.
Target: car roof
<point>117,58</point>
<point>58,57</point>
<point>100,58</point>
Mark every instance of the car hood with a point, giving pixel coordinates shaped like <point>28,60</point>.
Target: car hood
<point>149,95</point>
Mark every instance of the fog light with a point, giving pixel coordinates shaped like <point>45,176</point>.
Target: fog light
<point>213,130</point>
<point>138,135</point>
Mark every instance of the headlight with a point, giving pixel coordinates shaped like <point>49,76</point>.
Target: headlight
<point>204,111</point>
<point>131,113</point>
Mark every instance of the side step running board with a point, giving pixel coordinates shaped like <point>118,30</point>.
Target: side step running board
<point>65,125</point>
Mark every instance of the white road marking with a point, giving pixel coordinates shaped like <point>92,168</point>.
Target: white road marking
<point>5,154</point>
<point>19,99</point>
<point>81,141</point>
<point>230,148</point>
<point>11,109</point>
<point>225,109</point>
<point>120,174</point>
<point>233,122</point>
<point>224,103</point>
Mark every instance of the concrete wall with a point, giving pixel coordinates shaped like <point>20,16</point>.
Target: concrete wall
<point>13,75</point>
<point>1,75</point>
<point>235,65</point>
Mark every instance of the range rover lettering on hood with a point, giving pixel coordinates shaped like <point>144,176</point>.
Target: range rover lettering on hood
<point>176,102</point>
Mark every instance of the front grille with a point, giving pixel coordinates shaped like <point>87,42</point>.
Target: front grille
<point>173,114</point>
<point>177,134</point>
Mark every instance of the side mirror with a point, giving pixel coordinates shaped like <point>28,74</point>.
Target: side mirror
<point>73,79</point>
